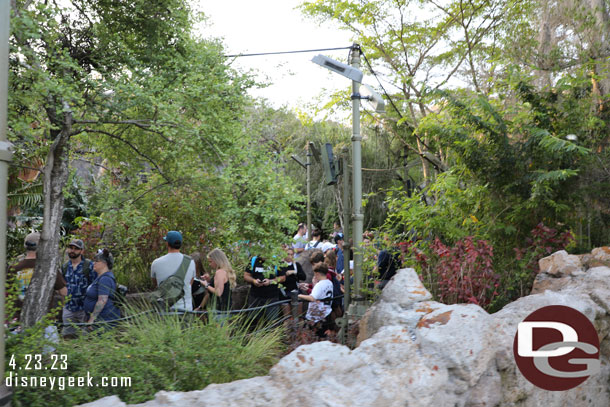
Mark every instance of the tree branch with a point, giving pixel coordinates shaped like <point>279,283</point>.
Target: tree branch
<point>142,124</point>
<point>134,148</point>
<point>133,200</point>
<point>93,163</point>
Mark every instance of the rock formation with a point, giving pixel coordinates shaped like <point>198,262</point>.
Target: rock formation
<point>416,352</point>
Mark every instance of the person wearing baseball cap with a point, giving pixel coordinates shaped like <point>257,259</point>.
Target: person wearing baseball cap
<point>340,261</point>
<point>31,241</point>
<point>174,239</point>
<point>23,271</point>
<point>168,265</point>
<point>78,273</point>
<point>100,296</point>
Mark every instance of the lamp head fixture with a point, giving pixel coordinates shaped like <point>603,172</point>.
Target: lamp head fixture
<point>339,67</point>
<point>373,98</point>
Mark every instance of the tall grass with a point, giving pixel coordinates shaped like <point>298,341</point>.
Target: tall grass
<point>174,353</point>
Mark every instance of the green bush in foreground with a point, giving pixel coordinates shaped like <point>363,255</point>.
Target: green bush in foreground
<point>158,353</point>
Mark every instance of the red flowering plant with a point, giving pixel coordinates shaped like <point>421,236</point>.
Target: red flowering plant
<point>462,273</point>
<point>465,272</point>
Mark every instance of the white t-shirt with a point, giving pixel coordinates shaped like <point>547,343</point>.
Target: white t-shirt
<point>167,265</point>
<point>318,310</point>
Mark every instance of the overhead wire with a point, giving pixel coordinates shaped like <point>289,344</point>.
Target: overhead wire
<point>285,52</point>
<point>350,48</point>
<point>385,169</point>
<point>366,60</point>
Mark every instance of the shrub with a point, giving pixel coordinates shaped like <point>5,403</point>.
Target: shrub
<point>157,352</point>
<point>542,242</point>
<point>465,272</point>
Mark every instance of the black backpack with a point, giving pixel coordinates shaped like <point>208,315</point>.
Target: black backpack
<point>337,302</point>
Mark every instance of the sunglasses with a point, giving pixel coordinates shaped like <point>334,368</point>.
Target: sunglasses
<point>74,248</point>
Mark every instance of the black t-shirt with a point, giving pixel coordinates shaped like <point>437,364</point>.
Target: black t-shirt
<point>292,280</point>
<point>261,272</point>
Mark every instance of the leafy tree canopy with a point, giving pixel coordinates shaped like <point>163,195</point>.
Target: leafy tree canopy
<point>128,87</point>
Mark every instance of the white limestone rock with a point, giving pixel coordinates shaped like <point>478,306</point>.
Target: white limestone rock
<point>420,353</point>
<point>405,289</point>
<point>461,338</point>
<point>110,401</point>
<point>560,263</point>
<point>601,254</point>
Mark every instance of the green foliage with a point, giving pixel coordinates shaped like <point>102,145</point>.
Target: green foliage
<point>246,201</point>
<point>516,159</point>
<point>284,133</point>
<point>26,196</point>
<point>511,171</point>
<point>260,201</point>
<point>449,209</point>
<point>157,353</point>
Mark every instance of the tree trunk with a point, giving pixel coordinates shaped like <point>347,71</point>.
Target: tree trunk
<point>599,35</point>
<point>339,201</point>
<point>426,171</point>
<point>40,290</point>
<point>424,163</point>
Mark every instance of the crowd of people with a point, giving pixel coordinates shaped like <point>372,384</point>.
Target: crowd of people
<point>91,288</point>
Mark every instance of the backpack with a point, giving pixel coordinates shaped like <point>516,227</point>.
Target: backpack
<point>171,290</point>
<point>337,302</point>
<point>310,246</point>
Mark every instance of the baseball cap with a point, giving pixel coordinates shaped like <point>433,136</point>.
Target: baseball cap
<point>338,236</point>
<point>31,240</point>
<point>77,243</point>
<point>105,256</point>
<point>173,237</point>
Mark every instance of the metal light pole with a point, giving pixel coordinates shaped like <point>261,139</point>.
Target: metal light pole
<point>346,251</point>
<point>308,165</point>
<point>5,160</point>
<point>354,73</point>
<point>358,217</point>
